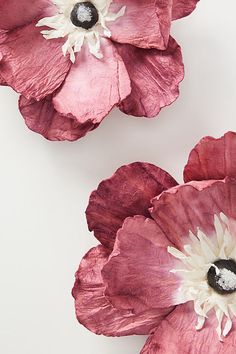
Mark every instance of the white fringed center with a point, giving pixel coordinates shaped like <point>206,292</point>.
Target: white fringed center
<point>61,26</point>
<point>196,259</point>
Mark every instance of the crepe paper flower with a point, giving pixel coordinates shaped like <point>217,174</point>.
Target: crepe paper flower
<point>166,265</point>
<point>74,61</point>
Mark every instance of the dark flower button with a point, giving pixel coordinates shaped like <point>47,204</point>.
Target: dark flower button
<point>84,14</point>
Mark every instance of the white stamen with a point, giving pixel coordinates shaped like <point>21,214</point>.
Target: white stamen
<point>194,263</point>
<point>61,26</point>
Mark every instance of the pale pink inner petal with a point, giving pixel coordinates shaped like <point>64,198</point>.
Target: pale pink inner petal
<point>94,86</point>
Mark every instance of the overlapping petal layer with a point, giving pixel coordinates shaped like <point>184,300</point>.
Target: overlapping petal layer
<point>176,334</point>
<point>192,206</point>
<point>31,65</point>
<point>41,117</point>
<point>15,13</point>
<point>127,193</point>
<point>93,86</point>
<point>155,77</point>
<point>212,159</point>
<point>146,23</point>
<point>182,8</point>
<point>139,267</point>
<point>93,308</point>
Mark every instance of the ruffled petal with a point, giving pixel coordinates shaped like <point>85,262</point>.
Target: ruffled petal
<point>212,159</point>
<point>138,269</point>
<point>155,76</point>
<point>93,308</point>
<point>15,13</point>
<point>127,193</point>
<point>192,206</point>
<point>145,24</point>
<point>33,66</point>
<point>182,8</point>
<point>176,334</point>
<point>2,81</point>
<point>42,118</point>
<point>94,86</point>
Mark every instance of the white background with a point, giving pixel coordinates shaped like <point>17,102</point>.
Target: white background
<point>44,187</point>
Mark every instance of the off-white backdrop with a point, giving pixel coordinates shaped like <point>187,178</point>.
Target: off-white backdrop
<point>44,187</point>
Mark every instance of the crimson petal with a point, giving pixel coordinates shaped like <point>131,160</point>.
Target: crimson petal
<point>127,193</point>
<point>145,24</point>
<point>33,66</point>
<point>15,13</point>
<point>155,77</point>
<point>93,308</point>
<point>212,159</point>
<point>182,8</point>
<point>177,334</point>
<point>41,117</point>
<point>138,270</point>
<point>192,206</point>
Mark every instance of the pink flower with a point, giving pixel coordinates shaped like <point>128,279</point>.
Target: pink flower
<point>166,265</point>
<point>72,62</point>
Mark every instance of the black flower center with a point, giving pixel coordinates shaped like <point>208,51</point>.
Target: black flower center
<point>84,14</point>
<point>222,277</point>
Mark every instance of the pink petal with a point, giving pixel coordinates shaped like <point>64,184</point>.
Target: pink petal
<point>139,267</point>
<point>41,117</point>
<point>145,24</point>
<point>155,77</point>
<point>93,308</point>
<point>188,207</point>
<point>127,193</point>
<point>32,65</point>
<point>182,8</point>
<point>176,334</point>
<point>16,13</point>
<point>2,81</point>
<point>212,159</point>
<point>94,86</point>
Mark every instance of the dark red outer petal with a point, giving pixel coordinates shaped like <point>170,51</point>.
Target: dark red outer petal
<point>41,117</point>
<point>212,159</point>
<point>127,193</point>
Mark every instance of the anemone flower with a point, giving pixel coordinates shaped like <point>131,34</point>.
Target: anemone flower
<point>166,265</point>
<point>73,61</point>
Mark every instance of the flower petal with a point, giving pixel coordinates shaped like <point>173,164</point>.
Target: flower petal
<point>94,86</point>
<point>194,205</point>
<point>33,66</point>
<point>41,117</point>
<point>155,77</point>
<point>182,8</point>
<point>139,267</point>
<point>127,193</point>
<point>212,159</point>
<point>93,308</point>
<point>15,13</point>
<point>145,24</point>
<point>176,334</point>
